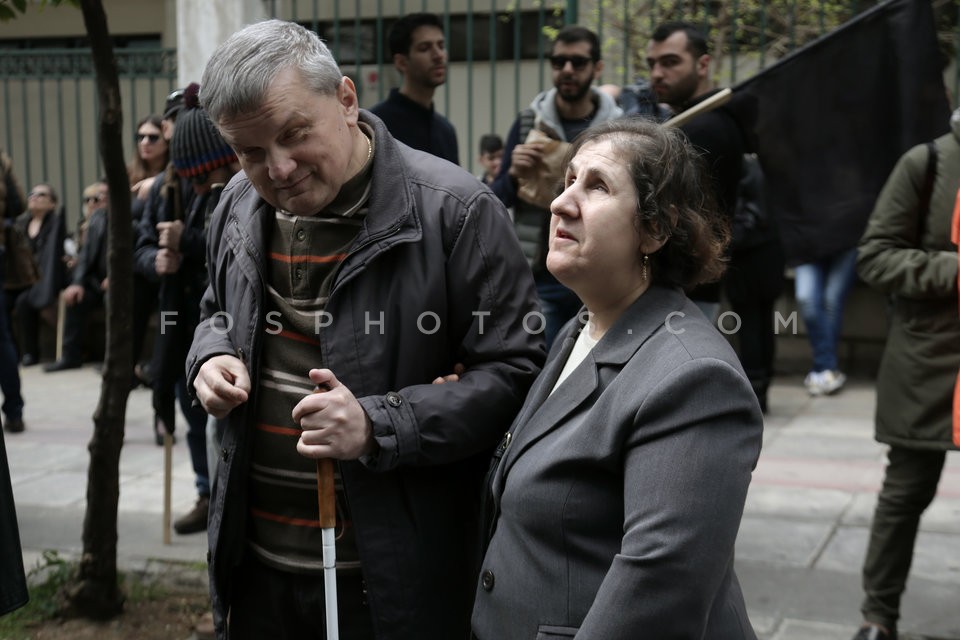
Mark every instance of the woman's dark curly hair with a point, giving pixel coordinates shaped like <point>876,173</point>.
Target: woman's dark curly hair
<point>674,201</point>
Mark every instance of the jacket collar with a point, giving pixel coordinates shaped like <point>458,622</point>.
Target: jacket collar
<point>545,105</point>
<point>392,206</point>
<point>392,216</point>
<point>544,411</point>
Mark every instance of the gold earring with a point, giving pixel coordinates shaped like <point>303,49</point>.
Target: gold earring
<point>645,268</point>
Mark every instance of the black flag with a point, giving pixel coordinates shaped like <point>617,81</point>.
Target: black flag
<point>829,122</point>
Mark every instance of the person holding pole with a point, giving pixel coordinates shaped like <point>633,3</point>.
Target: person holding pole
<point>344,262</point>
<point>171,251</point>
<point>679,61</point>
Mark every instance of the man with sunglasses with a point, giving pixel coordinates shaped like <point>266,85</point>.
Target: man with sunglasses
<point>43,227</point>
<point>571,106</point>
<point>88,280</point>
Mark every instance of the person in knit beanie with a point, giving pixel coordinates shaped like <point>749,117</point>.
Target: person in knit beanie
<point>175,248</point>
<point>197,148</point>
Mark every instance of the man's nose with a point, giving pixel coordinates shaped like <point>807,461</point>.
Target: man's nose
<point>280,166</point>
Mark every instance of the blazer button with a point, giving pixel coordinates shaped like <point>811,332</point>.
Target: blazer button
<point>394,399</point>
<point>487,580</point>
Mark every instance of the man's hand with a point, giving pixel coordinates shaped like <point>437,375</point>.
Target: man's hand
<point>333,422</point>
<point>458,370</point>
<point>167,262</point>
<point>222,384</point>
<point>73,295</point>
<point>168,234</point>
<point>526,160</point>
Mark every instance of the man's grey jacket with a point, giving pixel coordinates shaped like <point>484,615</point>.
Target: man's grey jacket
<point>435,278</point>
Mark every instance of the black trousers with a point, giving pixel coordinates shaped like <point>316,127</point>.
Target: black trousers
<point>269,603</point>
<point>75,324</point>
<point>753,282</point>
<point>908,488</point>
<point>13,582</point>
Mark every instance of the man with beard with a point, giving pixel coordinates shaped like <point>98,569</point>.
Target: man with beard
<point>419,53</point>
<point>571,106</point>
<point>679,62</point>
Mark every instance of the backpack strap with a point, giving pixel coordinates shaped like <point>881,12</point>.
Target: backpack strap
<point>926,191</point>
<point>527,119</point>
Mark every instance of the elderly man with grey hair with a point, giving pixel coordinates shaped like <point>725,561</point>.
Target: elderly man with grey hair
<point>343,262</point>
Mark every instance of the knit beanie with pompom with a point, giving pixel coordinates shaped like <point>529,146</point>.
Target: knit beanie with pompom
<point>197,147</point>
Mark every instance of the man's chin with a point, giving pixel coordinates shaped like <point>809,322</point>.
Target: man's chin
<point>572,97</point>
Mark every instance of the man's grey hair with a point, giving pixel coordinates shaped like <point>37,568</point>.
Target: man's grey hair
<point>237,78</point>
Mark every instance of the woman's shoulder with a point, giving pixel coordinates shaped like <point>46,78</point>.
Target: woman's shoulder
<point>686,335</point>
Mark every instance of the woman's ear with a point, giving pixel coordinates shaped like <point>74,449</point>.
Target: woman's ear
<point>650,245</point>
<point>655,237</point>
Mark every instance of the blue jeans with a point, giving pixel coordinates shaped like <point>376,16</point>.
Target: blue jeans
<point>558,304</point>
<point>9,373</point>
<point>822,289</point>
<point>196,437</point>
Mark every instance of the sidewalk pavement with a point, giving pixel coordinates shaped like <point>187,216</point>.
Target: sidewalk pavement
<point>799,551</point>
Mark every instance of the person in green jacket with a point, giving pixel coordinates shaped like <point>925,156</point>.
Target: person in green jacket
<point>906,253</point>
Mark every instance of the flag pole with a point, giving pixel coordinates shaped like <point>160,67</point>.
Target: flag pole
<point>718,99</point>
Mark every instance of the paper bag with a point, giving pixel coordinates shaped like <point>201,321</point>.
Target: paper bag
<point>542,188</point>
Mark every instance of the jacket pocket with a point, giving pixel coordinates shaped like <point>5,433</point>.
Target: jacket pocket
<point>550,632</point>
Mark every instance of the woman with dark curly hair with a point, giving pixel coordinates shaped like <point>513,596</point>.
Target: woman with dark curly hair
<point>618,491</point>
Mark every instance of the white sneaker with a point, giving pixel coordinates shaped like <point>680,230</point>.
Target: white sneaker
<point>832,381</point>
<point>824,383</point>
<point>814,383</point>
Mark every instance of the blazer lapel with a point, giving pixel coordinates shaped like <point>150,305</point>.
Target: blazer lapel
<point>544,411</point>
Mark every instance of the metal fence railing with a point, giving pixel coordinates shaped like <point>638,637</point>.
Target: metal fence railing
<point>497,52</point>
<point>50,111</point>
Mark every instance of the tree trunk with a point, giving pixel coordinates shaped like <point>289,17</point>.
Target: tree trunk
<point>95,592</point>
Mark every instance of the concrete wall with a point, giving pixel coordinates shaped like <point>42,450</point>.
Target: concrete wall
<point>126,17</point>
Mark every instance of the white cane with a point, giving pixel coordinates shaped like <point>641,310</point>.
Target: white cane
<point>327,499</point>
<point>213,449</point>
<point>328,524</point>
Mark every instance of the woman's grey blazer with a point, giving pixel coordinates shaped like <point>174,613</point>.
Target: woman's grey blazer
<point>617,499</point>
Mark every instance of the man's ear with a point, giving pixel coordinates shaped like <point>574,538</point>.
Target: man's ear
<point>347,97</point>
<point>400,62</point>
<point>703,65</point>
<point>597,69</point>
